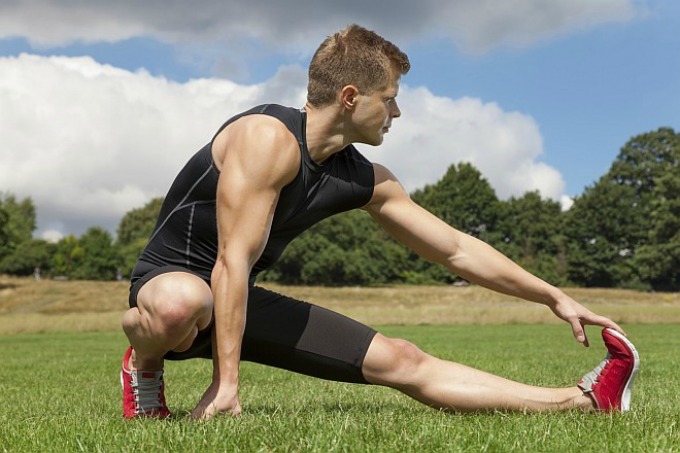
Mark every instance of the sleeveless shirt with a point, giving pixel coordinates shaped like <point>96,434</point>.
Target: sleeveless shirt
<point>186,231</point>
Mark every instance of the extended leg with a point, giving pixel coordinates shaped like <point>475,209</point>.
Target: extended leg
<point>451,386</point>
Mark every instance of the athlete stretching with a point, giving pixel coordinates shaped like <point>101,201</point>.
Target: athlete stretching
<point>269,174</point>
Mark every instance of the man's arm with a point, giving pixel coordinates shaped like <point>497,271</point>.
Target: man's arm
<point>472,259</point>
<point>257,157</point>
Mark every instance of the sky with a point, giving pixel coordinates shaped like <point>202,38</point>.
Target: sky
<point>101,103</point>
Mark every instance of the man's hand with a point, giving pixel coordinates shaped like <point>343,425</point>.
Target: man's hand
<point>579,316</point>
<point>217,400</point>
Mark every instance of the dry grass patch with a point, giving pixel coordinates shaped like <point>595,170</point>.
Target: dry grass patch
<point>45,306</point>
<point>476,305</point>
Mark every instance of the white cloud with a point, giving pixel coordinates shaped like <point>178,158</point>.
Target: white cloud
<point>434,132</point>
<point>475,25</point>
<point>88,142</point>
<point>566,202</point>
<point>52,236</point>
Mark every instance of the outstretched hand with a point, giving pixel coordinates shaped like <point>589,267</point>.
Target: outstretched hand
<point>217,400</point>
<point>579,316</point>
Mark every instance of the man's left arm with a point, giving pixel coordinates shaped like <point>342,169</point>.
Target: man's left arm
<point>472,259</point>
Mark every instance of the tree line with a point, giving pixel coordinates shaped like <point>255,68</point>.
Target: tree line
<point>623,231</point>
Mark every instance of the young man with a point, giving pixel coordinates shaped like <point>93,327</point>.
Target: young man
<point>269,174</point>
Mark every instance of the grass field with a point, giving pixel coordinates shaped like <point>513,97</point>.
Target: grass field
<point>59,387</point>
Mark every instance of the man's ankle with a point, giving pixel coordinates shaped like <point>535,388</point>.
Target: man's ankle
<point>583,401</point>
<point>144,363</point>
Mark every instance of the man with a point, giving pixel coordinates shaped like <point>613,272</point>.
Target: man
<point>269,174</point>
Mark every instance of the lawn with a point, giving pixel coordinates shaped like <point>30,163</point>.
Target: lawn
<point>60,391</point>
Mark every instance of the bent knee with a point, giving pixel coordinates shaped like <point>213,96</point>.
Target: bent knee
<point>391,361</point>
<point>174,302</point>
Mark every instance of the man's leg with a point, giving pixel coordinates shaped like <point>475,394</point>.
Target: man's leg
<point>166,315</point>
<point>171,309</point>
<point>451,386</point>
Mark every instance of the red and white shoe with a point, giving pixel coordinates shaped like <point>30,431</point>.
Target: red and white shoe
<point>143,391</point>
<point>610,383</point>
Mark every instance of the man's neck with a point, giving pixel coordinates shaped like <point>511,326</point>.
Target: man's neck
<point>326,132</point>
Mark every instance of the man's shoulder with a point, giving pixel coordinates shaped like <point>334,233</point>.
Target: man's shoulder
<point>274,115</point>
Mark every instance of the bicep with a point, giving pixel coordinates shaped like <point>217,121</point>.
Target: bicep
<point>259,161</point>
<point>244,216</point>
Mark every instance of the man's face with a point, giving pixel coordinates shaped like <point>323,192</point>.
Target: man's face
<point>374,113</point>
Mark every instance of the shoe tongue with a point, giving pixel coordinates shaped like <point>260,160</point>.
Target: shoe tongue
<point>148,374</point>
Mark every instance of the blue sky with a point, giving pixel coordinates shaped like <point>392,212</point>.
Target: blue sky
<point>558,94</point>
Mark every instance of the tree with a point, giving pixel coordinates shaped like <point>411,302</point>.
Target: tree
<point>17,222</point>
<point>99,259</point>
<point>530,233</point>
<point>139,223</point>
<point>659,259</point>
<point>609,223</point>
<point>134,230</point>
<point>93,256</point>
<point>27,256</point>
<point>4,234</point>
<point>346,249</point>
<point>463,199</point>
<point>68,256</point>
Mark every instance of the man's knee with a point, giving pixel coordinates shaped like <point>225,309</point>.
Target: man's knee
<point>176,300</point>
<point>391,361</point>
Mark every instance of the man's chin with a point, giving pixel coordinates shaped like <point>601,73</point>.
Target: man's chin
<point>372,141</point>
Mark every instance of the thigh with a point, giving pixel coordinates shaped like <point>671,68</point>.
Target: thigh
<point>164,283</point>
<point>298,336</point>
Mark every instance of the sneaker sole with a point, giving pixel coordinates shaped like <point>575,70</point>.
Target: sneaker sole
<point>625,397</point>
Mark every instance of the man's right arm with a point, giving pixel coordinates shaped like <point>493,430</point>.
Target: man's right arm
<point>259,157</point>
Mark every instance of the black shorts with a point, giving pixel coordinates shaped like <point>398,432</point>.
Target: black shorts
<point>287,333</point>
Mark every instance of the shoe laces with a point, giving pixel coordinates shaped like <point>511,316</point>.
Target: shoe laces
<point>147,390</point>
<point>591,379</point>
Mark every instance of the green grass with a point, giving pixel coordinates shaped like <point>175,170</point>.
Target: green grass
<point>60,392</point>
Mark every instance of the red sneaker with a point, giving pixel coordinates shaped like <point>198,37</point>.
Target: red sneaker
<point>609,384</point>
<point>143,392</point>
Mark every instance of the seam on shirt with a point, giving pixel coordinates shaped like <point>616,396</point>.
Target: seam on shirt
<point>191,225</point>
<point>180,204</point>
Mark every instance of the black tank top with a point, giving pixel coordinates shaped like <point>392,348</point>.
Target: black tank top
<point>186,231</point>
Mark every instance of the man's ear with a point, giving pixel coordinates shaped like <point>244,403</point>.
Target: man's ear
<point>348,96</point>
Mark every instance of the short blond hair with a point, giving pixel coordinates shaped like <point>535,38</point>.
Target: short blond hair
<point>353,56</point>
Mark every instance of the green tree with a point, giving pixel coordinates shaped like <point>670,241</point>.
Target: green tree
<point>68,256</point>
<point>18,222</point>
<point>139,223</point>
<point>659,259</point>
<point>99,259</point>
<point>530,233</point>
<point>463,199</point>
<point>4,234</point>
<point>134,230</point>
<point>609,223</point>
<point>346,249</point>
<point>27,256</point>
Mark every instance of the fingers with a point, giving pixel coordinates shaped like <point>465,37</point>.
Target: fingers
<point>609,323</point>
<point>603,321</point>
<point>578,326</point>
<point>579,332</point>
<point>207,411</point>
